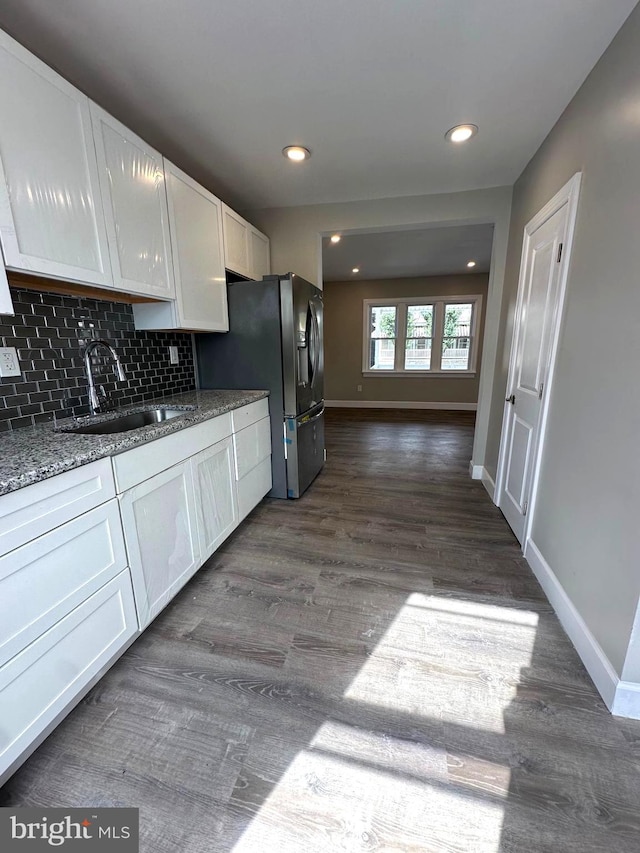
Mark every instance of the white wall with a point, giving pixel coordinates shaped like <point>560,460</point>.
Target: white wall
<point>588,507</point>
<point>296,233</point>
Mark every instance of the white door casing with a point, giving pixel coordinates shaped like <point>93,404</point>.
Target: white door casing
<point>542,283</point>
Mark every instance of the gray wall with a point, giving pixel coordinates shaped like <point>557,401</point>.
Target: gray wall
<point>343,341</point>
<point>589,496</point>
<point>296,233</point>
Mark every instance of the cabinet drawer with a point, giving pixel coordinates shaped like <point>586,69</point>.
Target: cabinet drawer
<point>34,510</point>
<point>253,487</point>
<point>247,415</point>
<point>45,579</point>
<point>41,683</point>
<point>137,465</point>
<point>251,446</point>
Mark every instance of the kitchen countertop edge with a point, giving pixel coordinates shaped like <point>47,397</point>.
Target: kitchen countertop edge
<point>32,454</point>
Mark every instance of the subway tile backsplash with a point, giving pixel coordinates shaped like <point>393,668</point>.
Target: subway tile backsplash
<point>47,333</point>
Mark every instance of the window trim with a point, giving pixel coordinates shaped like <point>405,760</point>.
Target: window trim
<point>401,304</point>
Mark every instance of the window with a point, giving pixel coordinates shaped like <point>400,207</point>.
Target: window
<point>413,336</point>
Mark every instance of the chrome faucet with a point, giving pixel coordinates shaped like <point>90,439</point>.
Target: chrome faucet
<point>94,396</point>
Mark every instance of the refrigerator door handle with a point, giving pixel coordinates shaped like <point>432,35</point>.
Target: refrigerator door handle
<point>313,418</point>
<point>315,342</point>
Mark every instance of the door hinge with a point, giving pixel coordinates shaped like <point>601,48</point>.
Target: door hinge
<point>541,391</point>
<point>559,253</point>
<point>525,507</point>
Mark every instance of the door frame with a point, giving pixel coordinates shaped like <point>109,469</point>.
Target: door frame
<point>569,194</point>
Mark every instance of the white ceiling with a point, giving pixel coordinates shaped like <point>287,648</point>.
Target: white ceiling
<point>369,85</point>
<point>408,254</point>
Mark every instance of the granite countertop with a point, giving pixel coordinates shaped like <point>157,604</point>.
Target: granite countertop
<point>31,454</point>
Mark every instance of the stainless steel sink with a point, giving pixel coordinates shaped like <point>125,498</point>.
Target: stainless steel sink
<point>135,420</point>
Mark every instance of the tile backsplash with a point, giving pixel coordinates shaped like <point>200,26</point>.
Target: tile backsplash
<point>47,333</point>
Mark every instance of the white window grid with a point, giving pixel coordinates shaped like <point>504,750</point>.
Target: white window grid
<point>468,341</point>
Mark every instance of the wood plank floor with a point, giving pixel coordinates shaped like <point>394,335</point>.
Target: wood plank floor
<point>370,668</point>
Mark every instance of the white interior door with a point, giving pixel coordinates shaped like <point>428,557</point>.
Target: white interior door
<point>539,307</point>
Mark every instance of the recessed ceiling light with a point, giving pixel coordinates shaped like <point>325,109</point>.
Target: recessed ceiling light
<point>296,153</point>
<point>461,132</point>
<point>471,263</point>
<point>335,238</point>
<point>356,269</point>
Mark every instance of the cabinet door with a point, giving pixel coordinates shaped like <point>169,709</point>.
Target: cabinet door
<point>51,216</point>
<point>195,218</point>
<point>253,487</point>
<point>161,534</point>
<point>216,495</point>
<point>236,242</point>
<point>135,201</point>
<point>6,305</point>
<point>260,262</point>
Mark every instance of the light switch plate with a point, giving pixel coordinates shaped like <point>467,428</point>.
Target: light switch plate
<point>174,358</point>
<point>9,365</point>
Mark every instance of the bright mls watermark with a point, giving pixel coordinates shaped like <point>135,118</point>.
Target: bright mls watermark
<point>109,830</point>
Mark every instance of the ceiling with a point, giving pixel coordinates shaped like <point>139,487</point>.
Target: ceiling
<point>370,86</point>
<point>408,254</point>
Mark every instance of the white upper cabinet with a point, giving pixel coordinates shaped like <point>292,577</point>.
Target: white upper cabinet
<point>260,261</point>
<point>236,242</point>
<point>51,216</point>
<point>6,305</point>
<point>133,189</point>
<point>246,250</point>
<point>195,219</point>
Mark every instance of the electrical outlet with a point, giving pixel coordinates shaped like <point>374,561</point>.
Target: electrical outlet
<point>359,388</point>
<point>174,358</point>
<point>9,365</point>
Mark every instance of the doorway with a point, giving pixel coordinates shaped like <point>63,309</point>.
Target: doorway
<point>405,312</point>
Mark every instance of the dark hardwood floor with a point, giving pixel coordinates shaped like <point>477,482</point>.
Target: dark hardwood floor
<point>370,668</point>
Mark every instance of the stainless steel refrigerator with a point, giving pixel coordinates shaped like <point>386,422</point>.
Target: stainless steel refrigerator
<point>275,342</point>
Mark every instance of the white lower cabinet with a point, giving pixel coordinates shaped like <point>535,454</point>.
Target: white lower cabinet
<point>253,487</point>
<point>252,451</point>
<point>45,579</point>
<point>214,474</point>
<point>66,603</point>
<point>215,490</point>
<point>161,534</point>
<point>40,685</point>
<point>81,573</point>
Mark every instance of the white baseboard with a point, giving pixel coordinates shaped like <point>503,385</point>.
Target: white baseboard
<point>479,472</point>
<point>595,660</point>
<point>399,404</point>
<point>627,700</point>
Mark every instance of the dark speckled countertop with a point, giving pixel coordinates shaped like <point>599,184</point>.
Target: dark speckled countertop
<point>32,454</point>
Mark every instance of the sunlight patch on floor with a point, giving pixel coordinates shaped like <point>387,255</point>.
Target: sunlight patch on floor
<point>326,803</point>
<point>450,660</point>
